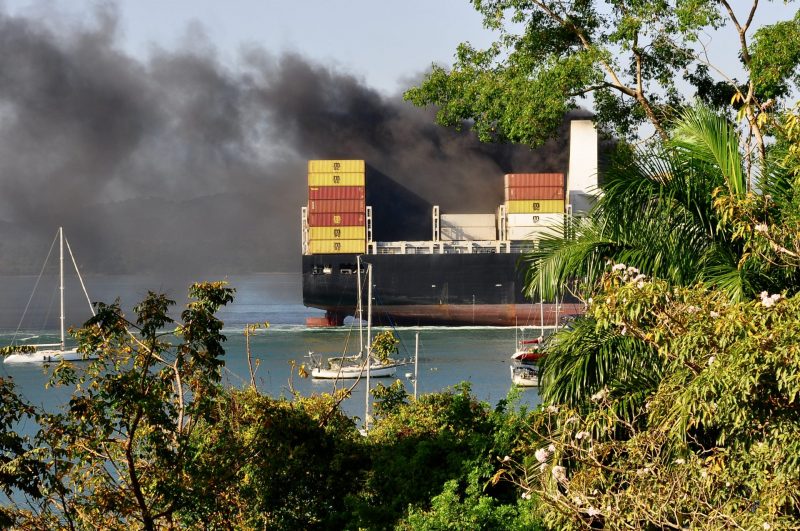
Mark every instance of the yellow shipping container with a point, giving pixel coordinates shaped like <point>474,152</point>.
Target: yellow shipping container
<point>535,206</point>
<point>344,166</point>
<point>338,233</point>
<point>337,246</point>
<point>335,179</point>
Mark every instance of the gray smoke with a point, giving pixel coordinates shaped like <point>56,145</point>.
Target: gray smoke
<point>181,162</point>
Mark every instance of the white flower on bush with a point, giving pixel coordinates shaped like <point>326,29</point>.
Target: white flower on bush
<point>769,300</point>
<point>760,227</point>
<point>541,455</point>
<point>692,309</point>
<point>526,495</point>
<point>559,473</point>
<point>711,360</point>
<point>714,314</point>
<point>680,461</point>
<point>619,267</point>
<point>583,435</point>
<point>552,448</point>
<point>600,395</point>
<point>551,409</point>
<point>577,501</point>
<point>592,511</point>
<point>506,459</point>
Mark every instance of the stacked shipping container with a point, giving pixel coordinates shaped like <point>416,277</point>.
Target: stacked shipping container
<point>535,204</point>
<point>336,206</point>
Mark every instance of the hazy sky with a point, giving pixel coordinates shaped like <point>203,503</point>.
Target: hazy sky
<point>380,41</point>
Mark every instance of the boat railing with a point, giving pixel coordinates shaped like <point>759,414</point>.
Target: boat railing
<point>441,247</point>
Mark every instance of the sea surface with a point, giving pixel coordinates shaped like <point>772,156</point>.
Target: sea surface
<point>447,356</point>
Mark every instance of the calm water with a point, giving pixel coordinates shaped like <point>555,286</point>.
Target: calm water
<point>447,356</point>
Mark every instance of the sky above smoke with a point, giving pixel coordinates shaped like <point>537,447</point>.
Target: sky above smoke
<point>182,161</point>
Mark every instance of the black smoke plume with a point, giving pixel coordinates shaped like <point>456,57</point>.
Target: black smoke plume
<point>181,162</point>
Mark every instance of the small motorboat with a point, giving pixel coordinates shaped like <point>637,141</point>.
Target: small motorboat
<point>525,375</point>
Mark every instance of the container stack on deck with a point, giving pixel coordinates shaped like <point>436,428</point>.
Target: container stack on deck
<point>534,204</point>
<point>336,206</point>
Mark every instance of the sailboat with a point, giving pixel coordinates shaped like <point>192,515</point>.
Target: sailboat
<point>348,367</point>
<point>529,353</point>
<point>52,352</point>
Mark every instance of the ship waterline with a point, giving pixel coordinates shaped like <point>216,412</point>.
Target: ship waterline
<point>459,315</point>
<point>481,289</point>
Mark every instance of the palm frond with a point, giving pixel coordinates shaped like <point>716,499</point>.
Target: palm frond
<point>704,135</point>
<point>582,360</point>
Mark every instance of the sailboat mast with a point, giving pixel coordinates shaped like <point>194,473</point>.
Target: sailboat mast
<point>416,363</point>
<point>541,305</point>
<point>61,279</point>
<point>360,309</point>
<point>369,342</point>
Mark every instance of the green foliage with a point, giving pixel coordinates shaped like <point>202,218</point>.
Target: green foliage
<point>775,55</point>
<point>586,358</point>
<point>453,511</point>
<point>384,345</point>
<point>13,349</point>
<point>120,451</point>
<point>712,444</point>
<point>416,449</point>
<point>389,399</point>
<point>21,469</point>
<point>548,54</point>
<point>658,213</point>
<point>267,463</point>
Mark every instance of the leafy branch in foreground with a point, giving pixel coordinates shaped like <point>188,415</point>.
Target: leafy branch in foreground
<point>712,444</point>
<point>120,451</point>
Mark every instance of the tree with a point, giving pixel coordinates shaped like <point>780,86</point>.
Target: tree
<point>629,55</point>
<point>679,212</point>
<point>384,345</point>
<point>120,451</point>
<point>657,213</point>
<point>713,445</point>
<point>21,469</point>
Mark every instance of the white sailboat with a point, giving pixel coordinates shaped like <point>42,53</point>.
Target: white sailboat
<point>349,367</point>
<point>52,352</point>
<point>525,362</point>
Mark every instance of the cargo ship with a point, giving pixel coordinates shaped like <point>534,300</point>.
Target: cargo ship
<point>470,271</point>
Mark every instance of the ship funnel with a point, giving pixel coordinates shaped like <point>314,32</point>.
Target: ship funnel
<point>582,176</point>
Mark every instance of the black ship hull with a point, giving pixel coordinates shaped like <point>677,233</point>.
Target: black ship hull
<point>481,289</point>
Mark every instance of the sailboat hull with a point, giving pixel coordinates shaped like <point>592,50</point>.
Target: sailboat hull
<point>340,373</point>
<point>47,356</point>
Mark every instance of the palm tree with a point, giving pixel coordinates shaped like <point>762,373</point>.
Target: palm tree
<point>656,212</point>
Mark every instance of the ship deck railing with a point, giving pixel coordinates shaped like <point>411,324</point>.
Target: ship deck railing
<point>449,247</point>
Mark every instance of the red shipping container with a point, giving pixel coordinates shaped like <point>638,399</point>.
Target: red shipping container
<point>533,179</point>
<point>330,206</point>
<point>335,192</point>
<point>514,193</point>
<point>349,219</point>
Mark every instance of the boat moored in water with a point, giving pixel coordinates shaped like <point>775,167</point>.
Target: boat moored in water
<point>51,352</point>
